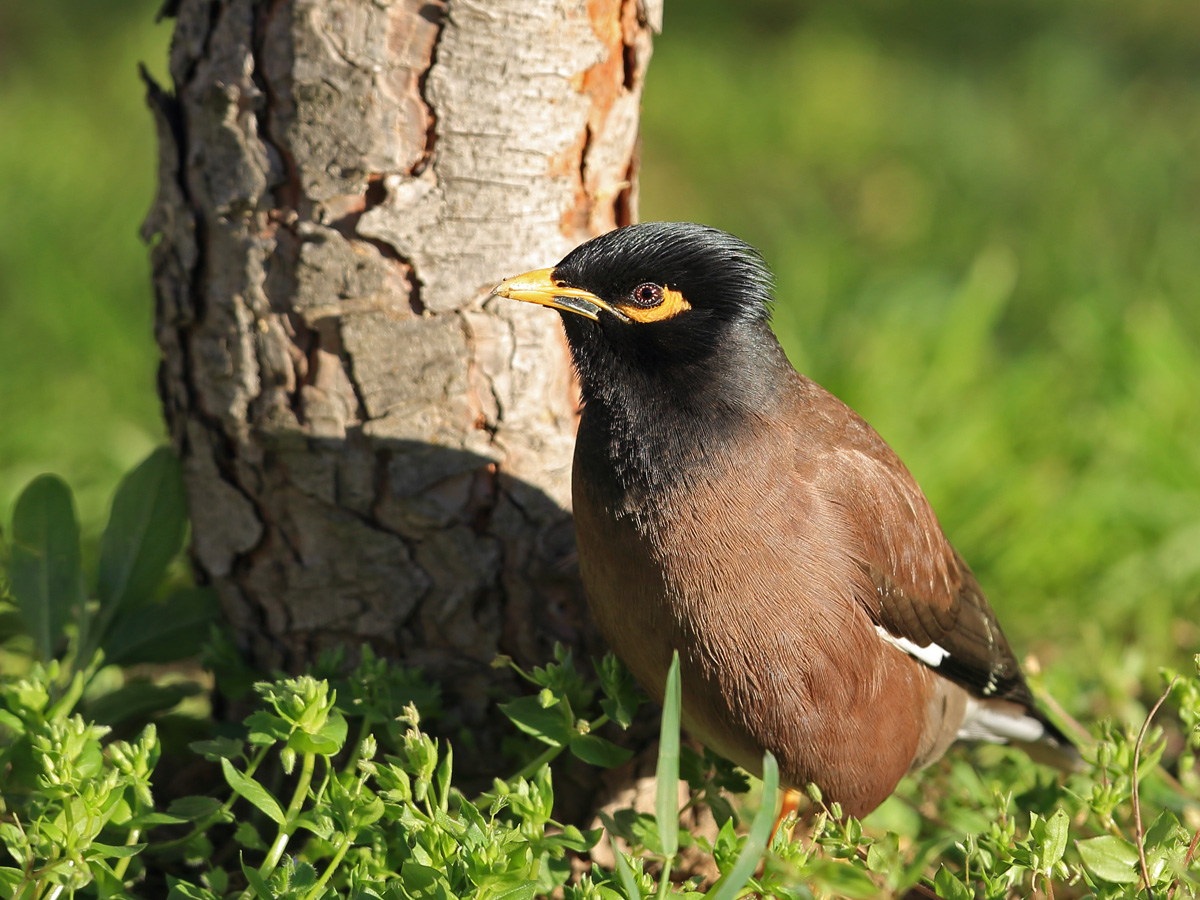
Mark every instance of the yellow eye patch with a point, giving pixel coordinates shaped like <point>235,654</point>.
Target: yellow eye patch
<point>673,303</point>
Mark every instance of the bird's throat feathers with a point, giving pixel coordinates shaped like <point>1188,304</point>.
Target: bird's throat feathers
<point>650,425</point>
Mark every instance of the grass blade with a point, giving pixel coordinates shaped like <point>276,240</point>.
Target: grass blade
<point>667,799</point>
<point>625,873</point>
<point>756,841</point>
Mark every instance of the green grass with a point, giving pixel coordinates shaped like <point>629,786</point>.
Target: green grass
<point>984,220</point>
<point>77,172</point>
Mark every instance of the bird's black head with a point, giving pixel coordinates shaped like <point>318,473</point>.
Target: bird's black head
<point>656,298</point>
<point>659,271</point>
<point>668,328</point>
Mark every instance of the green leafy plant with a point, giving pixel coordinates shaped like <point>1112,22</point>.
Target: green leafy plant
<point>385,821</point>
<point>550,716</point>
<point>295,811</point>
<point>330,787</point>
<point>64,785</point>
<point>87,638</point>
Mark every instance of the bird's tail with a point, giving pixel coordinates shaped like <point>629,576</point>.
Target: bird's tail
<point>1005,722</point>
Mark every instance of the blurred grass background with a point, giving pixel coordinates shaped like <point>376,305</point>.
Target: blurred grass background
<point>77,173</point>
<point>984,218</point>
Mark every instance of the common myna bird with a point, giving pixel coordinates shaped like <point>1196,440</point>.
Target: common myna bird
<point>729,508</point>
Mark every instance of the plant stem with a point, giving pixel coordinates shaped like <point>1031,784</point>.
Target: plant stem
<point>275,854</point>
<point>550,753</point>
<point>123,863</point>
<point>528,770</point>
<point>289,819</point>
<point>212,818</point>
<point>664,878</point>
<point>329,869</point>
<point>1138,832</point>
<point>352,760</point>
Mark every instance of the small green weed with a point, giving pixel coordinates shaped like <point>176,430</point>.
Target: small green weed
<point>331,789</point>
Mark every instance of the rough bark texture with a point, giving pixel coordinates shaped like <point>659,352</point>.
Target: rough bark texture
<point>374,449</point>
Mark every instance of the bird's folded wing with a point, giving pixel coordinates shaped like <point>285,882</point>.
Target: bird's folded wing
<point>915,587</point>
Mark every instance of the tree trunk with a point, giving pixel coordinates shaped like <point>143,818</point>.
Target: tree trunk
<point>374,449</point>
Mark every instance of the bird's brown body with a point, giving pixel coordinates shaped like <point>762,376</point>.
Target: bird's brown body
<point>732,510</point>
<point>724,573</point>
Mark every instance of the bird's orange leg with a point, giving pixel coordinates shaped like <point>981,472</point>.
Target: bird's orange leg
<point>791,803</point>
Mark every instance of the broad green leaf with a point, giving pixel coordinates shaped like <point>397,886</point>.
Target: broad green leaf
<point>721,809</point>
<point>597,751</point>
<point>1054,839</point>
<point>252,791</point>
<point>632,827</point>
<point>1164,827</point>
<point>217,748</point>
<point>10,878</point>
<point>144,532</point>
<point>552,874</point>
<point>104,880</point>
<point>193,808</point>
<point>692,768</point>
<point>947,885</point>
<point>248,837</point>
<point>162,632</point>
<point>183,890</point>
<point>320,825</point>
<point>552,725</point>
<point>97,850</point>
<point>667,774</point>
<point>302,876</point>
<point>843,881</point>
<point>621,693</point>
<point>367,812</point>
<point>11,722</point>
<point>218,880</point>
<point>44,572</point>
<point>266,728</point>
<point>579,841</point>
<point>522,890</point>
<point>1110,858</point>
<point>756,841</point>
<point>643,831</point>
<point>421,882</point>
<point>883,855</point>
<point>152,819</point>
<point>327,741</point>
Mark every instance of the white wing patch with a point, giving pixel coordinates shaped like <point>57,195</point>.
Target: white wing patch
<point>931,654</point>
<point>986,723</point>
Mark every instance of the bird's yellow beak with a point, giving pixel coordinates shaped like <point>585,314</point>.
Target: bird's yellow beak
<point>539,286</point>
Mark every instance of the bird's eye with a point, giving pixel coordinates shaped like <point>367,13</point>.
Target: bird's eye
<point>648,295</point>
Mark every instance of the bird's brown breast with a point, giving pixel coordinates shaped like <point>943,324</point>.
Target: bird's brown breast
<point>749,570</point>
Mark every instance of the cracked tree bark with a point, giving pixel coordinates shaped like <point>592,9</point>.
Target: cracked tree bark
<point>375,450</point>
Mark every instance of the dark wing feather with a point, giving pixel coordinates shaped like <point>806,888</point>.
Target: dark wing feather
<point>914,584</point>
<point>954,614</point>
